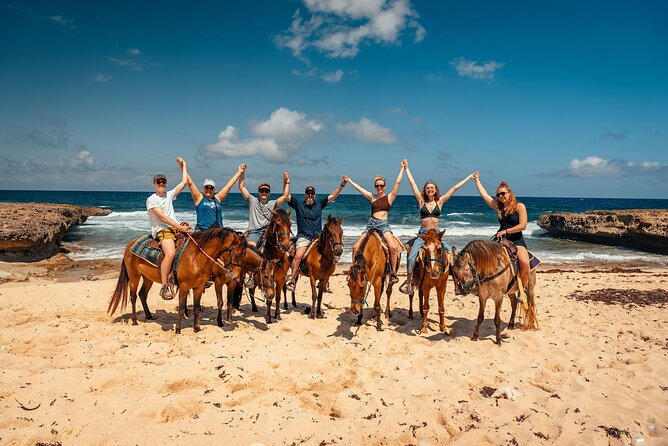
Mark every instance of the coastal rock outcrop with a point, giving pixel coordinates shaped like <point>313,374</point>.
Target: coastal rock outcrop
<point>33,231</point>
<point>644,230</point>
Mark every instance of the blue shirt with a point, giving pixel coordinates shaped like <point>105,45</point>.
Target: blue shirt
<point>208,212</point>
<point>309,218</point>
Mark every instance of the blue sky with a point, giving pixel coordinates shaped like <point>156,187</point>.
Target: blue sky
<point>565,98</point>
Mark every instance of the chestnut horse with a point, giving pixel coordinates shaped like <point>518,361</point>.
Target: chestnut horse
<point>431,270</point>
<point>370,268</point>
<point>320,263</point>
<point>276,246</point>
<point>484,268</point>
<point>194,270</point>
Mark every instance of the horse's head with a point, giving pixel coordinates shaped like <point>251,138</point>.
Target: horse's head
<point>267,278</point>
<point>357,283</point>
<point>279,230</point>
<point>334,231</point>
<point>464,271</point>
<point>434,256</point>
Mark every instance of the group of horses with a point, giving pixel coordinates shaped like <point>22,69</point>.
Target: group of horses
<point>221,254</point>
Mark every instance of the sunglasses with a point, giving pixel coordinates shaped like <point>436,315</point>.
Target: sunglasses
<point>309,194</point>
<point>500,194</point>
<point>264,190</point>
<point>209,187</point>
<point>379,186</point>
<point>160,181</point>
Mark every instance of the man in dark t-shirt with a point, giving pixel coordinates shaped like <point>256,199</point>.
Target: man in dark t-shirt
<point>308,213</point>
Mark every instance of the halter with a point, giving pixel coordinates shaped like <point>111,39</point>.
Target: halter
<point>219,261</point>
<point>477,280</point>
<point>333,245</point>
<point>278,235</point>
<point>367,286</point>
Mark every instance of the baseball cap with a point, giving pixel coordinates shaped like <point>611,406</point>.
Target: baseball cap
<point>309,190</point>
<point>264,185</point>
<point>159,176</point>
<point>209,182</point>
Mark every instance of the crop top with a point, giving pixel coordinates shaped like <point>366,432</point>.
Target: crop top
<point>435,213</point>
<point>380,204</point>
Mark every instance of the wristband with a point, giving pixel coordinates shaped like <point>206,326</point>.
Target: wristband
<point>342,184</point>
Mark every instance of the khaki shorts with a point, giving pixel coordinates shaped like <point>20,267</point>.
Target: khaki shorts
<point>302,242</point>
<point>165,234</point>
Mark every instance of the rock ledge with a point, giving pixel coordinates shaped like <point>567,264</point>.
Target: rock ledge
<point>33,231</point>
<point>641,229</point>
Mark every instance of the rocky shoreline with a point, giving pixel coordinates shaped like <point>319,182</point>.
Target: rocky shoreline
<point>644,230</point>
<point>33,231</point>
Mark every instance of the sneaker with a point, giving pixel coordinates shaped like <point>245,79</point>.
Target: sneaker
<point>250,283</point>
<point>166,293</point>
<point>405,287</point>
<point>393,278</point>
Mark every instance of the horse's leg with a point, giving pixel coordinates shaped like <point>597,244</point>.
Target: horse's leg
<point>236,299</point>
<point>481,316</point>
<point>388,293</point>
<point>251,293</point>
<point>183,298</point>
<point>197,298</point>
<point>411,293</point>
<point>218,285</point>
<point>233,288</point>
<point>314,298</point>
<point>143,293</point>
<point>440,295</point>
<point>421,303</point>
<point>321,289</point>
<point>269,296</point>
<point>513,310</point>
<point>497,318</point>
<point>377,310</point>
<point>424,298</point>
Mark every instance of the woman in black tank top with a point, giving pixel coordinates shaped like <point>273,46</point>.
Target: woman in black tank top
<point>512,219</point>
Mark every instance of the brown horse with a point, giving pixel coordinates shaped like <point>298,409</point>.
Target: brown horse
<point>320,263</point>
<point>276,246</point>
<point>369,268</point>
<point>430,271</point>
<point>484,268</point>
<point>251,260</point>
<point>194,270</point>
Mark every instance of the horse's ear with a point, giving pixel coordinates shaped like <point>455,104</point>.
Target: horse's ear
<point>422,236</point>
<point>340,221</point>
<point>330,217</point>
<point>440,234</point>
<point>273,212</point>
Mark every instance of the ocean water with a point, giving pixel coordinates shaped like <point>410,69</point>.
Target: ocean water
<point>464,218</point>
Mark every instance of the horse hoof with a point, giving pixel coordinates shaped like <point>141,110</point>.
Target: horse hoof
<point>269,321</point>
<point>197,329</point>
<point>178,331</point>
<point>254,310</point>
<point>134,322</point>
<point>220,323</point>
<point>311,316</point>
<point>423,331</point>
<point>511,326</point>
<point>474,338</point>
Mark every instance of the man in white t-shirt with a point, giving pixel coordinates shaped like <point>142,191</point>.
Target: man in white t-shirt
<point>164,226</point>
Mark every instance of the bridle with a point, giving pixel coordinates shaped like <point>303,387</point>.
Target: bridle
<point>278,234</point>
<point>367,287</point>
<point>328,234</point>
<point>218,262</point>
<point>477,280</point>
<point>440,261</point>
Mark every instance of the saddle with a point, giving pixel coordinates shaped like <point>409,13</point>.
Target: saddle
<point>147,248</point>
<point>302,265</point>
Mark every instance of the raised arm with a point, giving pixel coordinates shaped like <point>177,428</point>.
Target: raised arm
<point>222,194</point>
<point>161,215</point>
<point>184,176</point>
<point>242,185</point>
<point>196,194</point>
<point>416,191</point>
<point>337,191</point>
<point>365,193</point>
<point>491,202</point>
<point>392,195</point>
<point>286,190</point>
<point>445,197</point>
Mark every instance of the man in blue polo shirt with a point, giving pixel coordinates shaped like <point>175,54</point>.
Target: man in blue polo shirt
<point>308,213</point>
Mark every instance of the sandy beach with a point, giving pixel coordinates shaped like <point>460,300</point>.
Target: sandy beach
<point>595,373</point>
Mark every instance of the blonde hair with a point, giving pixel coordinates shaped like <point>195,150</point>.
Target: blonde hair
<point>378,177</point>
<point>511,207</point>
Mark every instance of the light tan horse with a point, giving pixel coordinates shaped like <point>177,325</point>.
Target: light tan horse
<point>194,270</point>
<point>484,268</point>
<point>431,270</point>
<point>369,269</point>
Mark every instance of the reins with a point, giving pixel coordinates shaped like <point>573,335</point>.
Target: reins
<point>219,262</point>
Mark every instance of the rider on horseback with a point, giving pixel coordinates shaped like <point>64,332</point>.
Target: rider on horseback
<point>208,201</point>
<point>163,221</point>
<point>308,213</point>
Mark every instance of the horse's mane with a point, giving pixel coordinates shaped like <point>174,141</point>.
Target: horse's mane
<point>367,238</point>
<point>485,255</point>
<point>282,216</point>
<point>202,237</point>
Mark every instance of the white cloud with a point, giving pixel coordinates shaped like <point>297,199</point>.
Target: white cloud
<point>134,51</point>
<point>333,78</point>
<point>276,139</point>
<point>471,68</point>
<point>67,23</point>
<point>131,65</point>
<point>101,78</point>
<point>594,166</point>
<point>81,161</point>
<point>337,28</point>
<point>367,130</point>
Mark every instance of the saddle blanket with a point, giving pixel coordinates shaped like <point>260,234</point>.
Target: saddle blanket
<point>148,249</point>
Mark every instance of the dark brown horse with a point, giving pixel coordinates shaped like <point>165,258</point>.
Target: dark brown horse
<point>431,270</point>
<point>320,263</point>
<point>250,260</point>
<point>484,268</point>
<point>276,246</point>
<point>370,268</point>
<point>194,270</point>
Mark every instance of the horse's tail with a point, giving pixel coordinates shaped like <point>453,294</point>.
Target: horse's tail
<point>121,293</point>
<point>531,318</point>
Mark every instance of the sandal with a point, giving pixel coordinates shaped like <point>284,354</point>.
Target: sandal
<point>249,283</point>
<point>405,287</point>
<point>166,293</point>
<point>393,278</point>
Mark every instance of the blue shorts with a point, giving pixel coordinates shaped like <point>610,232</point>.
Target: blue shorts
<point>382,225</point>
<point>255,235</point>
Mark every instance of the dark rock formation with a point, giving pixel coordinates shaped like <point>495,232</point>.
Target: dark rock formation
<point>33,231</point>
<point>644,230</point>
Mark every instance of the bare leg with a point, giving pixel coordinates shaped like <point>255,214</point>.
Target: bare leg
<point>523,260</point>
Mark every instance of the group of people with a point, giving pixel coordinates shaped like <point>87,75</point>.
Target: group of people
<point>512,215</point>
